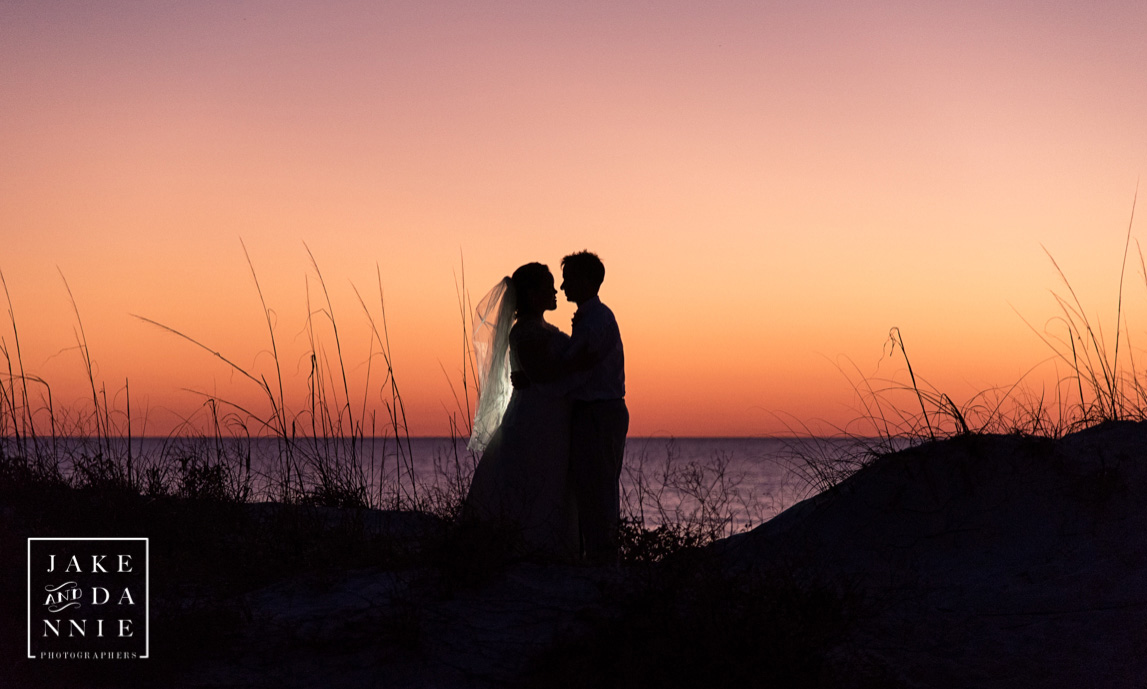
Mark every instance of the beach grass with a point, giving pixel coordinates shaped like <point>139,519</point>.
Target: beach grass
<point>226,526</point>
<point>338,450</point>
<point>1101,382</point>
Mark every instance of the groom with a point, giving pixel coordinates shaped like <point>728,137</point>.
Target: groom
<point>600,418</point>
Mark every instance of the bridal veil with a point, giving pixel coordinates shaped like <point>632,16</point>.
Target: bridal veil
<point>493,320</point>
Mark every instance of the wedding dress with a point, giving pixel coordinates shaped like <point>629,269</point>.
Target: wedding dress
<point>522,481</point>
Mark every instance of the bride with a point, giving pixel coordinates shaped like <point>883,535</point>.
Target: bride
<point>522,481</point>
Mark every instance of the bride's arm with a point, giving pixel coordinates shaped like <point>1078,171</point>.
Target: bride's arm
<point>540,355</point>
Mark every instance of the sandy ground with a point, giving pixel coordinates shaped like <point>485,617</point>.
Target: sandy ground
<point>988,561</point>
<point>371,628</point>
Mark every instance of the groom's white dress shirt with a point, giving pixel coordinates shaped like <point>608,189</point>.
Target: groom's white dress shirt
<point>595,330</point>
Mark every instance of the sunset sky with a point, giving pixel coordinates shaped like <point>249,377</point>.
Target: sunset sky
<point>772,186</point>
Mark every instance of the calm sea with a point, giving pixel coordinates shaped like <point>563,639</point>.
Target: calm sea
<point>747,480</point>
<point>743,481</point>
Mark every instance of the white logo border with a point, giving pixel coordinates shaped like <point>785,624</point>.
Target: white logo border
<point>146,582</point>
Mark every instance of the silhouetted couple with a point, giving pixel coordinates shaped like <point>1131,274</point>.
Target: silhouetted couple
<point>551,415</point>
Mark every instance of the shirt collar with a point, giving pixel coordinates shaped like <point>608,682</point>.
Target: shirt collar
<point>587,306</point>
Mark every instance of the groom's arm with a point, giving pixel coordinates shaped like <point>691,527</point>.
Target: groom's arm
<point>581,359</point>
<point>589,345</point>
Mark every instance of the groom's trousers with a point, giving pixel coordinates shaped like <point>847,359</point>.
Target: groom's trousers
<point>597,448</point>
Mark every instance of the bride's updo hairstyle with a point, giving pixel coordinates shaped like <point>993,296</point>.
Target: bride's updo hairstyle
<point>529,277</point>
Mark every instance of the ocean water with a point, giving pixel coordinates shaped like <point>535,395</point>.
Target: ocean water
<point>732,483</point>
<point>743,481</point>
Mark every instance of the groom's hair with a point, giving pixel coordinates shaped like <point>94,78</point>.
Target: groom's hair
<point>585,263</point>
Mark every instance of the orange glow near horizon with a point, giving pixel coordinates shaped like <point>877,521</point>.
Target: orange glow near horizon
<point>771,190</point>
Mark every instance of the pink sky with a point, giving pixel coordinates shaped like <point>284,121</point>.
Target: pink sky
<point>771,188</point>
